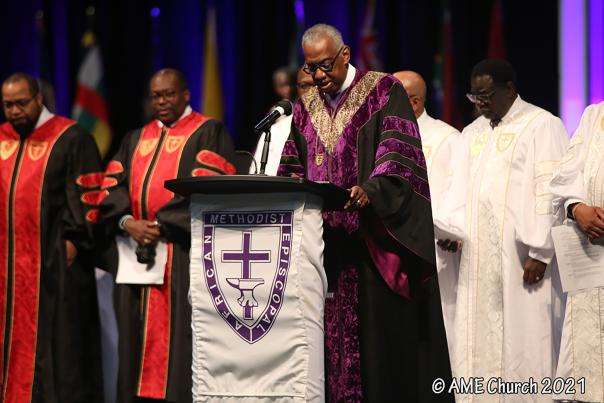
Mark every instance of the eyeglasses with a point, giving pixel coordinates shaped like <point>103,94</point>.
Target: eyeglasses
<point>482,98</point>
<point>169,95</point>
<point>20,103</point>
<point>325,66</point>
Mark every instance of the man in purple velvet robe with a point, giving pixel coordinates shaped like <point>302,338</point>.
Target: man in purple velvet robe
<point>384,332</point>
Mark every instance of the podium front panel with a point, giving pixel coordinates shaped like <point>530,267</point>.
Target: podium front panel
<point>257,294</point>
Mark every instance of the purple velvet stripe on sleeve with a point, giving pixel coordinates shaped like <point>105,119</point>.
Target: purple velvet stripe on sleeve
<point>394,168</point>
<point>406,150</point>
<point>400,125</point>
<point>287,169</point>
<point>406,127</point>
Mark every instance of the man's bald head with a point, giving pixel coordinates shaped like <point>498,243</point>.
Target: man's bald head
<point>178,76</point>
<point>415,86</point>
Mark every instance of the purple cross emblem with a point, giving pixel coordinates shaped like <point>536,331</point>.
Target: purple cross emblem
<point>246,284</point>
<point>276,228</point>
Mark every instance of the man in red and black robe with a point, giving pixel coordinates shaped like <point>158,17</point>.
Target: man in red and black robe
<point>50,174</point>
<point>384,331</point>
<point>154,321</point>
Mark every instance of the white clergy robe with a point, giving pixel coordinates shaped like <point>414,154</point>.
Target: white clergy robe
<point>279,134</point>
<point>581,179</point>
<point>503,327</point>
<point>438,144</point>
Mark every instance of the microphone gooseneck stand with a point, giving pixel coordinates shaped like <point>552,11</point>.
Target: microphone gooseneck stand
<point>265,147</point>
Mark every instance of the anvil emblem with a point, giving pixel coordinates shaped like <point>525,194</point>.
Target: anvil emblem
<point>247,300</point>
<point>246,284</point>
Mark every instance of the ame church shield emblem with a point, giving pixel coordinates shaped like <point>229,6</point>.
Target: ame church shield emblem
<point>246,262</point>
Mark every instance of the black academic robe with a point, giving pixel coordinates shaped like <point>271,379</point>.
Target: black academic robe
<point>384,332</point>
<point>49,328</point>
<point>154,322</point>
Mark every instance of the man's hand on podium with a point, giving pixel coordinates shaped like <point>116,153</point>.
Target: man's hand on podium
<point>358,199</point>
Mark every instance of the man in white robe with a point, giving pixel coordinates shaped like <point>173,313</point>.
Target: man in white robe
<point>279,132</point>
<point>438,143</point>
<point>507,288</point>
<point>578,189</point>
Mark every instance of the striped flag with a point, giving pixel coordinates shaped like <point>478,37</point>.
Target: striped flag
<point>90,108</point>
<point>367,58</point>
<point>211,101</point>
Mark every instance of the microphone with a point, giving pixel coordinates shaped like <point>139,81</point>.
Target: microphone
<point>281,108</point>
<point>145,254</point>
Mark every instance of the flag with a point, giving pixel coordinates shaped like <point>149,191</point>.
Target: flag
<point>443,82</point>
<point>90,108</point>
<point>212,91</point>
<point>496,48</point>
<point>367,58</point>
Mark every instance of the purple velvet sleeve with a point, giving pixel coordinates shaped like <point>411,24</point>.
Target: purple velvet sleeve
<point>400,237</point>
<point>290,161</point>
<point>396,157</point>
<point>395,168</point>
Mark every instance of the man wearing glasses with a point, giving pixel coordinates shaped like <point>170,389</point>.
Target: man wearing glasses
<point>384,330</point>
<point>154,320</point>
<point>507,291</point>
<point>50,174</point>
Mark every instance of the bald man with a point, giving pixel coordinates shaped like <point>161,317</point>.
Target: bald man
<point>280,131</point>
<point>438,142</point>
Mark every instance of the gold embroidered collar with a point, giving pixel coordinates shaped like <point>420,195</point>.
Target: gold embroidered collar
<point>329,128</point>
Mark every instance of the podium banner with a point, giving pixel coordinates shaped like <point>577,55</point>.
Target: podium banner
<point>257,294</point>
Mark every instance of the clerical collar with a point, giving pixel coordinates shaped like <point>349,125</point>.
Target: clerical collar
<point>187,112</point>
<point>334,99</point>
<point>44,117</point>
<point>509,116</point>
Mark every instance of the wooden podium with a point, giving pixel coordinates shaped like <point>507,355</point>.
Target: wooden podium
<point>257,286</point>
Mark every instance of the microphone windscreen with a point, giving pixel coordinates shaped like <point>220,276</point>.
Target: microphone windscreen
<point>286,106</point>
